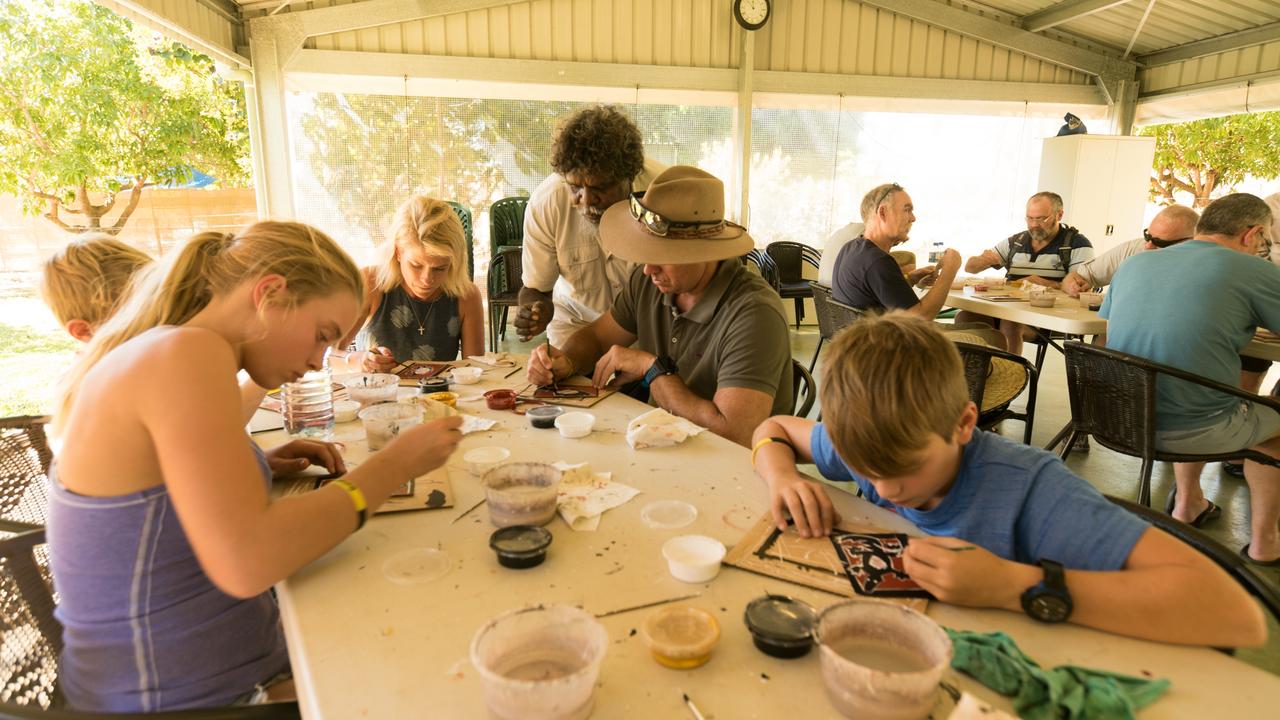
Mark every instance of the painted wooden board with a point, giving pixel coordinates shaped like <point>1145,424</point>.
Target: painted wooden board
<point>411,371</point>
<point>811,562</point>
<point>591,395</point>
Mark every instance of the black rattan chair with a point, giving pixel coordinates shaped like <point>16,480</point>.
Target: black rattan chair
<point>790,259</point>
<point>1234,565</point>
<point>802,386</point>
<point>832,317</point>
<point>978,368</point>
<point>1113,399</point>
<point>33,640</point>
<point>764,265</point>
<point>506,223</point>
<point>24,472</point>
<point>464,216</point>
<point>504,283</point>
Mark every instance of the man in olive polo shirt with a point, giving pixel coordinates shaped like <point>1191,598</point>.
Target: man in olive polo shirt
<point>706,335</point>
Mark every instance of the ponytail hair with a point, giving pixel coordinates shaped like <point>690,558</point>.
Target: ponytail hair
<point>431,225</point>
<point>211,264</point>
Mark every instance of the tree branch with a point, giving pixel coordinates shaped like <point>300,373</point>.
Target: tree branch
<point>52,216</point>
<point>135,196</point>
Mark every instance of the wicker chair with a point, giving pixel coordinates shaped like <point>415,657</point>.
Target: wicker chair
<point>790,259</point>
<point>802,386</point>
<point>464,216</point>
<point>504,283</point>
<point>33,641</point>
<point>978,367</point>
<point>832,317</point>
<point>1113,398</point>
<point>506,223</point>
<point>764,265</point>
<point>24,473</point>
<point>1234,565</point>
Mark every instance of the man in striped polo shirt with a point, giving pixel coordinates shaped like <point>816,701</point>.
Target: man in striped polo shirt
<point>1042,254</point>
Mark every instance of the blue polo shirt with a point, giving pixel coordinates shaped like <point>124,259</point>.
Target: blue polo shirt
<point>1193,306</point>
<point>1018,502</point>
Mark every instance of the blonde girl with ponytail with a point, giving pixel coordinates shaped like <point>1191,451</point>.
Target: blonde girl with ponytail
<point>164,539</point>
<point>420,304</point>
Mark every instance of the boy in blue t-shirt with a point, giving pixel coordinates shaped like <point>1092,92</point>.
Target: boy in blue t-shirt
<point>1011,527</point>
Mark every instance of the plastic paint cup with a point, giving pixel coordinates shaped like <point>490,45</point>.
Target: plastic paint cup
<point>502,399</point>
<point>520,546</point>
<point>521,493</point>
<point>780,626</point>
<point>384,421</point>
<point>540,663</point>
<point>543,416</point>
<point>881,661</point>
<point>693,558</point>
<point>483,459</point>
<point>680,637</point>
<point>370,388</point>
<point>575,424</point>
<point>466,375</point>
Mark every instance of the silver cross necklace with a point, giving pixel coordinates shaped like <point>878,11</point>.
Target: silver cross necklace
<point>422,323</point>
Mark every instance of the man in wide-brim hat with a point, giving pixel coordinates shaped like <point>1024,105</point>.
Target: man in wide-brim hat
<point>705,334</point>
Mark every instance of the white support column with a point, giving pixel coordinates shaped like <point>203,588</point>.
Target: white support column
<point>259,175</point>
<point>740,208</point>
<point>272,42</point>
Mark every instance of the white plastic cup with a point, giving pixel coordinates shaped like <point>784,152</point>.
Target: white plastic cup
<point>483,459</point>
<point>523,493</point>
<point>467,375</point>
<point>307,405</point>
<point>371,388</point>
<point>693,558</point>
<point>540,663</point>
<point>384,421</point>
<point>575,424</point>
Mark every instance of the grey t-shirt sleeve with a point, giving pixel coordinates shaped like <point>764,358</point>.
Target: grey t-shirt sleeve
<point>623,309</point>
<point>754,349</point>
<point>884,278</point>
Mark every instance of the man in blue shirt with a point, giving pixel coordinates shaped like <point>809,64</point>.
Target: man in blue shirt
<point>1195,306</point>
<point>1011,527</point>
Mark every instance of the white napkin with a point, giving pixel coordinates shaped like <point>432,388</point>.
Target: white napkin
<point>659,428</point>
<point>584,495</point>
<point>491,359</point>
<point>472,423</point>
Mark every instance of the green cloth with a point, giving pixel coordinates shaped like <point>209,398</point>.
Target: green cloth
<point>1068,691</point>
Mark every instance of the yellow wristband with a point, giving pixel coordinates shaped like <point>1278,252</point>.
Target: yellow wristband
<point>765,441</point>
<point>357,499</point>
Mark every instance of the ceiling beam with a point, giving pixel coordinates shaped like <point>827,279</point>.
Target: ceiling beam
<point>1210,46</point>
<point>1065,12</point>
<point>1002,34</point>
<point>357,16</point>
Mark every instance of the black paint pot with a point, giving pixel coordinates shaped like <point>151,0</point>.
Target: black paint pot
<point>544,416</point>
<point>432,385</point>
<point>520,546</point>
<point>780,626</point>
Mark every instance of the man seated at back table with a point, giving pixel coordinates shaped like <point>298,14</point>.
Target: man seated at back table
<point>1169,227</point>
<point>711,337</point>
<point>1007,525</point>
<point>1194,307</point>
<point>1042,254</point>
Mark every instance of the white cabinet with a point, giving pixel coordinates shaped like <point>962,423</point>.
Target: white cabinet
<point>1103,181</point>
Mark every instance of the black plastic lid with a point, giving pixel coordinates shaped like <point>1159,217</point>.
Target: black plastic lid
<point>781,620</point>
<point>520,540</point>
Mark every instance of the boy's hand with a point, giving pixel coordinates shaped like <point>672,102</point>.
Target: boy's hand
<point>962,573</point>
<point>805,500</point>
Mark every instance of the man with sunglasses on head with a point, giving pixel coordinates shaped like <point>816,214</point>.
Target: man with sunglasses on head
<point>1194,306</point>
<point>1170,226</point>
<point>569,279</point>
<point>707,336</point>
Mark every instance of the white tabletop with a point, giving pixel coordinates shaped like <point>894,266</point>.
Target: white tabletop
<point>364,647</point>
<point>1068,316</point>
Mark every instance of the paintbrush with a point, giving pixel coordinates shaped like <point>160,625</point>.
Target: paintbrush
<point>962,548</point>
<point>551,364</point>
<point>697,715</point>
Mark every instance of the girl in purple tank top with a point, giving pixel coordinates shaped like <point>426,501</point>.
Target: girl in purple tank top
<point>164,540</point>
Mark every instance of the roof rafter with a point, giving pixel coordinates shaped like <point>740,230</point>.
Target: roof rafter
<point>1005,35</point>
<point>1065,12</point>
<point>1210,46</point>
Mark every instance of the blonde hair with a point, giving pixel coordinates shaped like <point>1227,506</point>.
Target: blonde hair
<point>896,379</point>
<point>432,225</point>
<point>211,264</point>
<point>87,279</point>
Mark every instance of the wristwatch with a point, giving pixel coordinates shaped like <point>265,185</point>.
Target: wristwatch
<point>662,365</point>
<point>1048,600</point>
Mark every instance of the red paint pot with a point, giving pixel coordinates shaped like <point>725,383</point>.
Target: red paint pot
<point>502,399</point>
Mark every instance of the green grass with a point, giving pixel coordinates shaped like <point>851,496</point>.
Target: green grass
<point>31,363</point>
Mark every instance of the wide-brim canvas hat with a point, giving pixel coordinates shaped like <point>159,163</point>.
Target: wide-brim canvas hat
<point>1005,380</point>
<point>678,220</point>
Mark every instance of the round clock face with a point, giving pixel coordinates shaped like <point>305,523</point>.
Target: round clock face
<point>752,14</point>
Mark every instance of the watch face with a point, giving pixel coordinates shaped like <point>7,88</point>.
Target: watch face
<point>752,13</point>
<point>1049,608</point>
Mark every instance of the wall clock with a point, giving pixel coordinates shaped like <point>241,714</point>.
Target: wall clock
<point>752,14</point>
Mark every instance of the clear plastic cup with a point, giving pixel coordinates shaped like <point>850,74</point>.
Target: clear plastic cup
<point>881,661</point>
<point>307,405</point>
<point>540,663</point>
<point>521,493</point>
<point>384,421</point>
<point>371,388</point>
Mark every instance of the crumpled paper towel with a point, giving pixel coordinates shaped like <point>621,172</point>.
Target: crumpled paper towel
<point>659,428</point>
<point>584,495</point>
<point>493,359</point>
<point>434,410</point>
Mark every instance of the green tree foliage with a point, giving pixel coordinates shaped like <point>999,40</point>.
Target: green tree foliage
<point>1207,158</point>
<point>90,108</point>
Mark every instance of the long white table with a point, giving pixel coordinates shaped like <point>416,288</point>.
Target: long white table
<point>1069,316</point>
<point>363,647</point>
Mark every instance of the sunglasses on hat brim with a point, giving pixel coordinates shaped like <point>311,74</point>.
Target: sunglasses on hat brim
<point>659,225</point>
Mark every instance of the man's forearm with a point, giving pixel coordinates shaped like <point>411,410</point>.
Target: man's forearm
<point>671,394</point>
<point>583,349</point>
<point>931,304</point>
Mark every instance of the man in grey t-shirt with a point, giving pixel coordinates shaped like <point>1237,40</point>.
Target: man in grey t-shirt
<point>710,337</point>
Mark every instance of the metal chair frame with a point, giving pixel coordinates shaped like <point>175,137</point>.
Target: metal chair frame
<point>801,378</point>
<point>790,258</point>
<point>765,265</point>
<point>1113,399</point>
<point>25,458</point>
